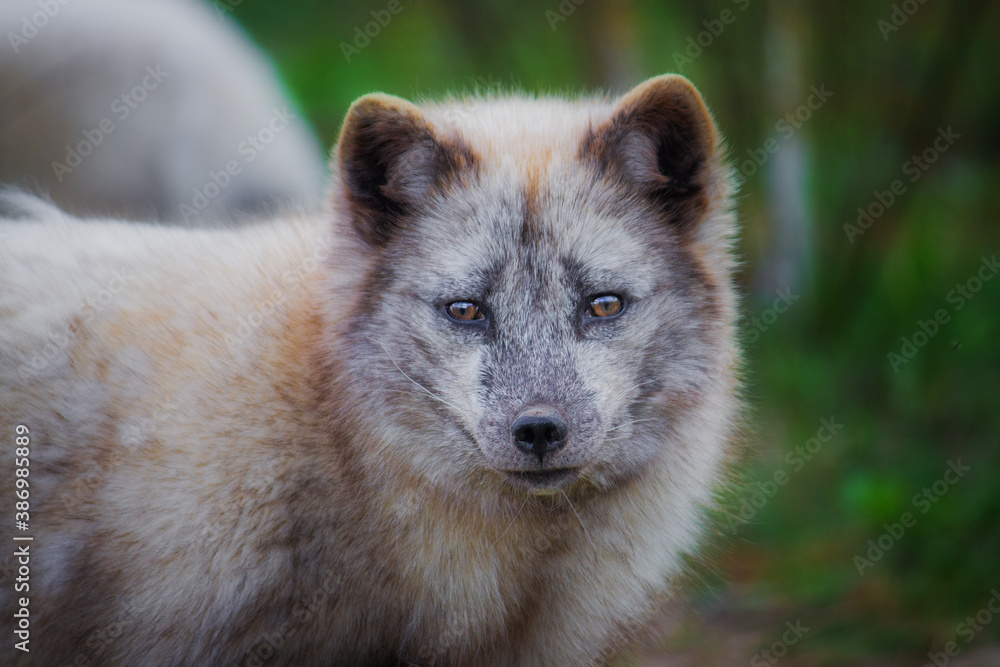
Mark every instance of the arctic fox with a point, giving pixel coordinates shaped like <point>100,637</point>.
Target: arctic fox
<point>471,415</point>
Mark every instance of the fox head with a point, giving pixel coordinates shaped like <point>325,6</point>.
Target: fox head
<point>544,298</point>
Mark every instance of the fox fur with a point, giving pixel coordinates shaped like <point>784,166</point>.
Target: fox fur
<point>273,445</point>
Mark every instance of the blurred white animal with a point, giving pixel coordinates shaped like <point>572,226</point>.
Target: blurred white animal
<point>159,109</point>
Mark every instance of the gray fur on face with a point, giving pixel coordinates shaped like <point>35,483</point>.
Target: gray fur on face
<point>532,247</point>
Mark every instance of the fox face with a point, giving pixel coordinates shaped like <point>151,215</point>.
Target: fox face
<point>539,308</point>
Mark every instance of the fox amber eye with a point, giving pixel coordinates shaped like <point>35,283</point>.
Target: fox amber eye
<point>464,311</point>
<point>607,305</point>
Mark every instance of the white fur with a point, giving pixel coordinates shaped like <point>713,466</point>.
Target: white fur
<point>219,89</point>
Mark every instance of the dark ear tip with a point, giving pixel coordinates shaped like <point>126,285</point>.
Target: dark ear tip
<point>368,110</point>
<point>377,103</point>
<point>661,142</point>
<point>674,95</point>
<point>390,160</point>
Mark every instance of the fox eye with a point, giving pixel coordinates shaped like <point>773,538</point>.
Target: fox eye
<point>464,311</point>
<point>606,305</point>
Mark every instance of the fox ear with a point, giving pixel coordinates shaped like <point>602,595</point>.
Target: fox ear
<point>660,141</point>
<point>391,163</point>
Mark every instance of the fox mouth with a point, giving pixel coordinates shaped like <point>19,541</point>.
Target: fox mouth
<point>542,480</point>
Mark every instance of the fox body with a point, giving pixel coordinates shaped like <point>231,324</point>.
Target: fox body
<point>471,415</point>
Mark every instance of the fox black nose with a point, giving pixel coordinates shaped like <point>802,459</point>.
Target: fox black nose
<point>538,431</point>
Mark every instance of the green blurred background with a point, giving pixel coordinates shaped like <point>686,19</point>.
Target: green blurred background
<point>828,299</point>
